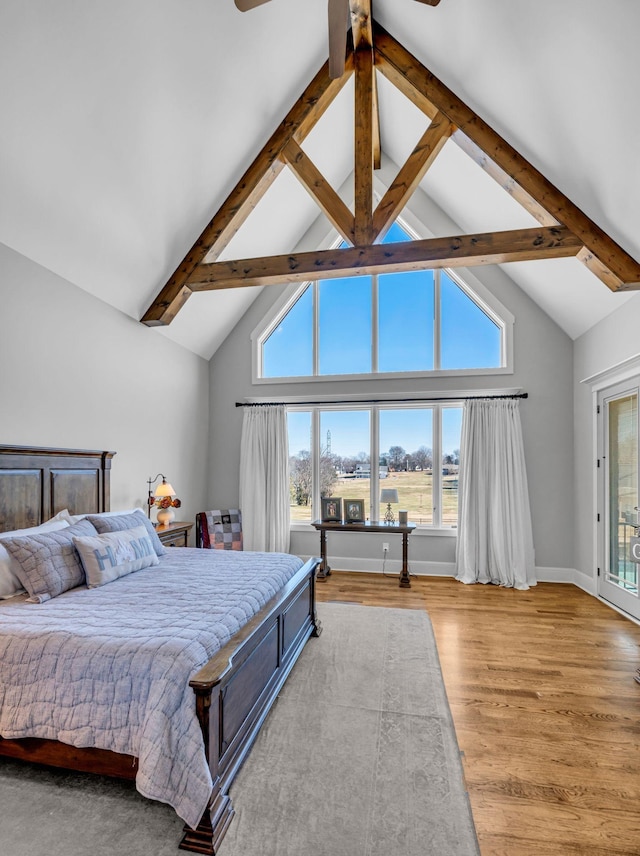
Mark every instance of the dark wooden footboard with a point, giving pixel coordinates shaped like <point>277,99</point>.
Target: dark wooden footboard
<point>236,688</point>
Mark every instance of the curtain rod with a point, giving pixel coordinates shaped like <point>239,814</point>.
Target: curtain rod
<point>378,400</point>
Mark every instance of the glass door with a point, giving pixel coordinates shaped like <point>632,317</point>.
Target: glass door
<point>620,550</point>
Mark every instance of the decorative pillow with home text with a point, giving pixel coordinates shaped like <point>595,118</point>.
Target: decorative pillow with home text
<point>115,554</point>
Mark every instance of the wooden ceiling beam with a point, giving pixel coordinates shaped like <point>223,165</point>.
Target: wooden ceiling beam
<point>362,30</point>
<point>320,190</point>
<point>458,251</point>
<point>411,174</point>
<point>361,24</point>
<point>604,257</point>
<point>503,179</point>
<point>565,230</point>
<point>363,166</point>
<point>395,74</point>
<point>248,191</point>
<point>377,144</point>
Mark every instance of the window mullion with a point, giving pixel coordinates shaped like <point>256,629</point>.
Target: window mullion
<point>374,326</point>
<point>436,320</point>
<point>316,330</point>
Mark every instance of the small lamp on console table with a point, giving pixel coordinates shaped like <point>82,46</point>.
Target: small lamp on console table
<point>389,495</point>
<point>164,499</point>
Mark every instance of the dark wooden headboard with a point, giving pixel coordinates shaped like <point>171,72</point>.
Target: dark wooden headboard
<point>37,483</point>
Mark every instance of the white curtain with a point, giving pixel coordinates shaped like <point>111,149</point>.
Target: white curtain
<point>495,540</point>
<point>264,479</point>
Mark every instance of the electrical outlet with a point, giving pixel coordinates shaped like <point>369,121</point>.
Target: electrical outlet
<point>385,547</point>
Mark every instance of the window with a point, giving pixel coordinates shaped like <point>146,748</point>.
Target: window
<point>406,452</point>
<point>427,321</point>
<point>288,344</point>
<point>406,321</point>
<point>345,437</point>
<point>417,448</point>
<point>344,307</point>
<point>470,339</point>
<point>300,466</point>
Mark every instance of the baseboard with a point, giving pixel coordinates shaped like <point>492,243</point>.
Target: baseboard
<point>588,584</point>
<point>391,566</point>
<point>448,569</point>
<point>567,576</point>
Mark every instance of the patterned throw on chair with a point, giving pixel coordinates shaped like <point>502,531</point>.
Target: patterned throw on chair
<point>224,527</point>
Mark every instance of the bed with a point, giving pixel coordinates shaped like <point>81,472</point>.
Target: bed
<point>230,663</point>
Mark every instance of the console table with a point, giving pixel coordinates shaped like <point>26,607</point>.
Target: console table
<point>390,528</point>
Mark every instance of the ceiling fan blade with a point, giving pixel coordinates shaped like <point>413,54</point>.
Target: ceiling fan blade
<point>245,5</point>
<point>338,11</point>
<point>429,2</point>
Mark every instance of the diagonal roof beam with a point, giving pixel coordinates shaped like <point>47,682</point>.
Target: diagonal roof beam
<point>503,179</point>
<point>458,251</point>
<point>604,257</point>
<point>411,174</point>
<point>247,193</point>
<point>320,190</point>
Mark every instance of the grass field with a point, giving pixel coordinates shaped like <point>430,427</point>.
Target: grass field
<point>415,491</point>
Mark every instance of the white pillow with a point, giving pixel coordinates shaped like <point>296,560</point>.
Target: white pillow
<point>115,554</point>
<point>10,585</point>
<point>74,518</point>
<point>61,515</point>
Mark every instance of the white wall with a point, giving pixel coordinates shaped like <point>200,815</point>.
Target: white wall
<point>76,373</point>
<point>543,368</point>
<point>610,342</point>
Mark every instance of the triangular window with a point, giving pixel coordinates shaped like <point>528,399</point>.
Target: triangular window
<point>415,322</point>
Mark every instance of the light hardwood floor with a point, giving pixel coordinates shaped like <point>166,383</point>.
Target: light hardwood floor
<point>547,712</point>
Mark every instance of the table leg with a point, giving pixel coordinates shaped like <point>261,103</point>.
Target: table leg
<point>405,581</point>
<point>324,570</point>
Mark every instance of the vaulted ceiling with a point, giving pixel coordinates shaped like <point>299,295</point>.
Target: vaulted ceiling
<point>127,125</point>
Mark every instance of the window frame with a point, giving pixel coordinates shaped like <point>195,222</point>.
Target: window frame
<point>462,277</point>
<point>374,410</point>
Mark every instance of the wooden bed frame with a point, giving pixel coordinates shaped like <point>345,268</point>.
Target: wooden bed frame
<point>233,691</point>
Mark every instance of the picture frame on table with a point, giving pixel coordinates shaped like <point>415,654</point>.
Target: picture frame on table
<point>354,511</point>
<point>331,509</point>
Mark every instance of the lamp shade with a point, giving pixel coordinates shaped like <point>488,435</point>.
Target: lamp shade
<point>165,489</point>
<point>389,494</point>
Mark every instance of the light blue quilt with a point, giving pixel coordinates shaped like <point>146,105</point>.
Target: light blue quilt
<point>110,667</point>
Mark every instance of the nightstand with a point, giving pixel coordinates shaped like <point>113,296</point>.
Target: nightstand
<point>174,534</point>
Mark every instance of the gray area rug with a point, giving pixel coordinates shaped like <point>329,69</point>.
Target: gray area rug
<point>358,757</point>
<point>372,768</point>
